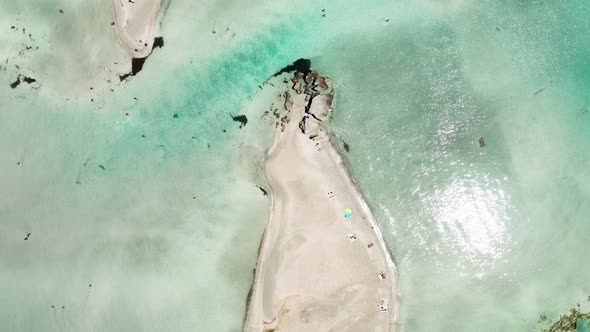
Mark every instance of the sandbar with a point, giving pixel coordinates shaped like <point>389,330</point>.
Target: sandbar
<point>323,265</point>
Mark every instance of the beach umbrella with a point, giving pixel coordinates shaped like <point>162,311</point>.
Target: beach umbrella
<point>348,213</point>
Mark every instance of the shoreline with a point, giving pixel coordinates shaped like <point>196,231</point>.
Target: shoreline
<point>363,202</point>
<point>283,296</point>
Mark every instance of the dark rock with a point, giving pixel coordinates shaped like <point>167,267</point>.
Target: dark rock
<point>302,124</point>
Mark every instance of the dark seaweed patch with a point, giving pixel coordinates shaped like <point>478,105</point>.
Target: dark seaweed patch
<point>15,83</point>
<point>346,146</point>
<point>22,78</point>
<point>301,65</point>
<point>137,63</point>
<point>136,67</point>
<point>124,76</point>
<point>242,119</point>
<point>264,192</point>
<point>158,42</point>
<point>29,80</point>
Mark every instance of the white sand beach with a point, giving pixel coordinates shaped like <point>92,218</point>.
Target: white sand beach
<point>318,270</point>
<point>136,25</point>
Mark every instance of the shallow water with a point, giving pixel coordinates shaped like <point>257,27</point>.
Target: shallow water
<point>485,238</point>
<point>161,232</point>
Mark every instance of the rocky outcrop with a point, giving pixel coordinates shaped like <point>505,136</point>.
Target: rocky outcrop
<point>318,97</point>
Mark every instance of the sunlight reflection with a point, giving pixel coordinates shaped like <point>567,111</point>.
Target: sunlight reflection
<point>471,217</point>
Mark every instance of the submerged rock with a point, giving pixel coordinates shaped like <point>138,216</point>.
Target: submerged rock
<point>288,102</point>
<point>569,323</point>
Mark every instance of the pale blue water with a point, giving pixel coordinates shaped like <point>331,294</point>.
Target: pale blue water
<point>583,325</point>
<point>485,239</point>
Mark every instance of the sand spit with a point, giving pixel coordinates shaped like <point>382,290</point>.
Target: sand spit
<point>323,265</point>
<point>136,25</point>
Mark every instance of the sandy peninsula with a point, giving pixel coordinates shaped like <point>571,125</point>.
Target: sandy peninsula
<point>323,265</point>
<point>136,25</point>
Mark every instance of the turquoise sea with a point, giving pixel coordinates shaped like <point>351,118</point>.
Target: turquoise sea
<point>142,202</point>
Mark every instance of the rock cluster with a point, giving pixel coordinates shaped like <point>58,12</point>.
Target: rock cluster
<point>318,98</point>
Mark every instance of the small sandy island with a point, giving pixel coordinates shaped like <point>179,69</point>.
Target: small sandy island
<point>136,25</point>
<point>323,265</point>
